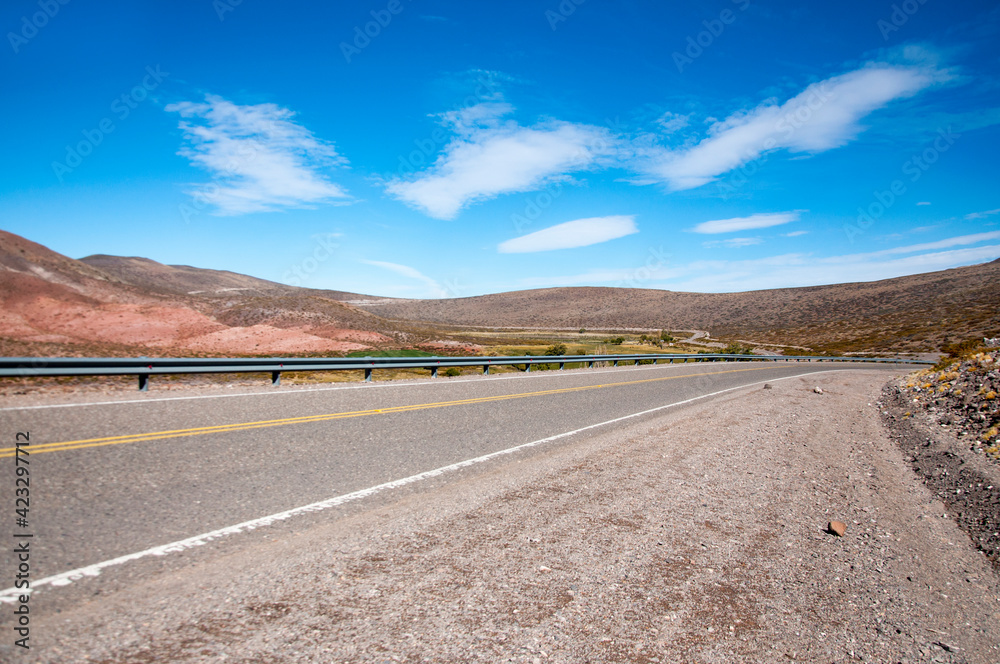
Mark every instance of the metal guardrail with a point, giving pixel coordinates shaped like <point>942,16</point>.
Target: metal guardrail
<point>144,367</point>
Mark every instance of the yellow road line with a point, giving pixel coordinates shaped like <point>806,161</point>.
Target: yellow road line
<point>243,426</point>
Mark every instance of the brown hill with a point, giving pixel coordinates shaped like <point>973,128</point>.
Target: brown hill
<point>907,313</point>
<point>184,279</point>
<point>102,304</point>
<point>53,305</point>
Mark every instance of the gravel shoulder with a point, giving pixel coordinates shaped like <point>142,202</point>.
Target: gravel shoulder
<point>695,536</point>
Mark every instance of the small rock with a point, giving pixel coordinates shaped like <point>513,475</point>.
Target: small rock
<point>767,386</point>
<point>818,390</point>
<point>837,528</point>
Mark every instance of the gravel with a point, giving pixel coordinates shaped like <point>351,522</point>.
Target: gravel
<point>696,536</point>
<point>962,399</point>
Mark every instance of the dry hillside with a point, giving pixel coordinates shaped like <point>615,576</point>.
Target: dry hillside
<point>110,305</point>
<point>905,314</point>
<point>104,305</point>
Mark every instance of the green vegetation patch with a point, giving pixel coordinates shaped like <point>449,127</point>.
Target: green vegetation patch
<point>390,353</point>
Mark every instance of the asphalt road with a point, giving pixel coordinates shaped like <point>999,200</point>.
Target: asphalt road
<point>113,479</point>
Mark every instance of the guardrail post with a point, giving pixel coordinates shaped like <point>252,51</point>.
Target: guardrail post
<point>562,365</point>
<point>434,372</point>
<point>368,375</point>
<point>590,364</point>
<point>486,370</point>
<point>275,378</point>
<point>527,366</point>
<point>143,382</point>
<point>637,363</point>
<point>615,363</point>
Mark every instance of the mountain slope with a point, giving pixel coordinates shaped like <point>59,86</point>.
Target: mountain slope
<point>114,305</point>
<point>911,313</point>
<point>52,304</point>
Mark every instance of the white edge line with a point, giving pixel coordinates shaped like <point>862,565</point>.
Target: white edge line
<point>10,595</point>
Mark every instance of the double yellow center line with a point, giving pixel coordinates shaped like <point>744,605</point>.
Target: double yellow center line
<point>244,426</point>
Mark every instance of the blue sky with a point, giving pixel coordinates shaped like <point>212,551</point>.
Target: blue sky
<point>424,148</point>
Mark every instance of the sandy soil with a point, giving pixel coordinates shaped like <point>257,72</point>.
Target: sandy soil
<point>698,536</point>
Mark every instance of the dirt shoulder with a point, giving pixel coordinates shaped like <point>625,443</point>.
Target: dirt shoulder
<point>952,464</point>
<point>698,536</point>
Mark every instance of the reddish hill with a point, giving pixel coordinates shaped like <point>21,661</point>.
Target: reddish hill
<point>52,304</point>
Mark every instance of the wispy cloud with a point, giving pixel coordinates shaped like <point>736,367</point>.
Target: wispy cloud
<point>432,289</point>
<point>747,223</point>
<point>489,156</point>
<point>571,234</point>
<point>795,270</point>
<point>981,215</point>
<point>795,234</point>
<point>259,159</point>
<point>961,240</point>
<point>789,270</point>
<point>825,115</point>
<point>733,242</point>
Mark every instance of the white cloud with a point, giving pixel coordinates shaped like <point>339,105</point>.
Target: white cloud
<point>796,270</point>
<point>800,270</point>
<point>825,115</point>
<point>975,238</point>
<point>795,234</point>
<point>747,223</point>
<point>259,159</point>
<point>673,122</point>
<point>432,288</point>
<point>788,270</point>
<point>981,215</point>
<point>571,234</point>
<point>923,202</point>
<point>489,157</point>
<point>733,242</point>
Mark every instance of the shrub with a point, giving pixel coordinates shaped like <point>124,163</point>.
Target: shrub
<point>958,351</point>
<point>737,349</point>
<point>555,349</point>
<point>451,372</point>
<point>617,341</point>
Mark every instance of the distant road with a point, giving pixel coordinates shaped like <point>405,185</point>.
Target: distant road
<point>118,478</point>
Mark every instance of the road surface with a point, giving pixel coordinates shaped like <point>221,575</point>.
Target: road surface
<point>120,486</point>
